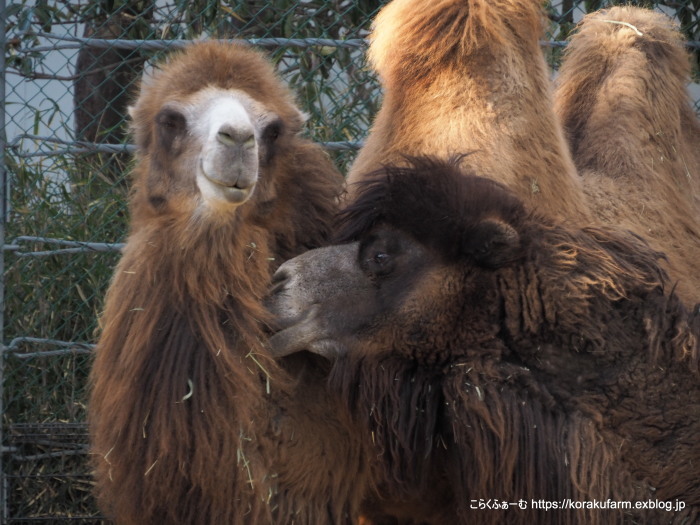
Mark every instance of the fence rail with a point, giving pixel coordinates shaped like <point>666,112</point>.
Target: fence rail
<point>76,147</point>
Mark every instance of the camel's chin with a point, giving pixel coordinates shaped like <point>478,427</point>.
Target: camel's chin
<point>290,341</point>
<point>302,332</point>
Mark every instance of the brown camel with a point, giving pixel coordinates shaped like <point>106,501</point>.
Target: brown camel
<point>191,421</point>
<point>499,360</point>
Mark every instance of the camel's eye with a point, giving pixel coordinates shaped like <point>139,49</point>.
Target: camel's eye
<point>171,120</point>
<point>378,255</point>
<point>171,124</point>
<point>380,259</point>
<point>379,263</point>
<point>272,131</point>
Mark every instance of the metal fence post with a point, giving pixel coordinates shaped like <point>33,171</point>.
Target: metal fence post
<point>4,198</point>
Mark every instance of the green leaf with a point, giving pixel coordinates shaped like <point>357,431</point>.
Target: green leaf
<point>24,20</point>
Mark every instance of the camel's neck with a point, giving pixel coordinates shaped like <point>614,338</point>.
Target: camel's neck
<point>202,264</point>
<point>188,294</point>
<point>181,347</point>
<point>504,120</point>
<point>587,303</point>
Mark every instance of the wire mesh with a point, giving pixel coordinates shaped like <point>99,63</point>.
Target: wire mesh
<point>71,66</point>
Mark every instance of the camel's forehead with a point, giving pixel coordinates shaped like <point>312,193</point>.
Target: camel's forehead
<point>207,110</point>
<point>212,107</point>
<point>195,101</point>
<point>213,100</point>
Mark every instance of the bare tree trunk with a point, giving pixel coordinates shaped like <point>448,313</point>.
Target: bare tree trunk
<point>103,86</point>
<point>103,83</point>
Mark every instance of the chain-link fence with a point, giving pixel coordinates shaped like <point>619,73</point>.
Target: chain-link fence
<point>69,70</point>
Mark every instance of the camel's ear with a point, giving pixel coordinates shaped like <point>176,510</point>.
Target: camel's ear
<point>492,243</point>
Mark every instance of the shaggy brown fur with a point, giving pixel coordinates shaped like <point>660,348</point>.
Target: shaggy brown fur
<point>508,357</point>
<point>191,421</point>
<point>633,133</point>
<point>464,76</point>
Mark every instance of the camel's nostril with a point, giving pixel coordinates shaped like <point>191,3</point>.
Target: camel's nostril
<point>231,136</point>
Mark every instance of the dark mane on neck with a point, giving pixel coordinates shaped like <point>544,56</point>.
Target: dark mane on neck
<point>402,403</point>
<point>598,281</point>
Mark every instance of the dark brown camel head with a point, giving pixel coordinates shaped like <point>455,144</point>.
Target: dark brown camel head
<point>207,127</point>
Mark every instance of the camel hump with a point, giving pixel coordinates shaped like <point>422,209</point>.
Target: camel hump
<point>650,25</point>
<point>622,98</point>
<point>623,82</point>
<point>411,37</point>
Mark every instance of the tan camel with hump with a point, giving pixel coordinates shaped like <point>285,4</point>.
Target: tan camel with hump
<point>468,76</point>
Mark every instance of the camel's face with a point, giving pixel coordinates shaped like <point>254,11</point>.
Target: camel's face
<point>419,279</point>
<point>330,300</point>
<point>387,293</point>
<point>211,146</point>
